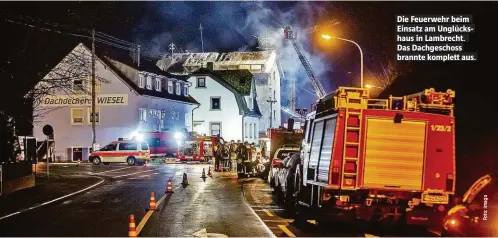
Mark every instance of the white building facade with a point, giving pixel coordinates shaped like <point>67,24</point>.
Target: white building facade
<point>228,104</point>
<point>130,99</point>
<point>262,64</point>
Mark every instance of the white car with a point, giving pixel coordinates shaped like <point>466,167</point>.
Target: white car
<point>123,151</point>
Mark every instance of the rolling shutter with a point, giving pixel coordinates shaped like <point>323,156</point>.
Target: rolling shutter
<point>316,143</point>
<point>394,154</point>
<point>326,152</point>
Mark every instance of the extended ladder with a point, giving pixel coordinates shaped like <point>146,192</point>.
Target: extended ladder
<point>351,150</point>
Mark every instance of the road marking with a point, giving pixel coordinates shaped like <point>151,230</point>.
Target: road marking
<point>266,206</point>
<point>281,220</point>
<point>143,221</point>
<point>287,231</point>
<point>369,235</point>
<point>51,201</point>
<point>113,170</point>
<point>273,209</point>
<point>311,221</point>
<point>267,212</point>
<point>133,173</point>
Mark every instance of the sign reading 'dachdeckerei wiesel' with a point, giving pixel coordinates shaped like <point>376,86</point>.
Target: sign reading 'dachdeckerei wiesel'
<point>85,100</point>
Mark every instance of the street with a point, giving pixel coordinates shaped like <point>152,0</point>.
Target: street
<point>222,204</point>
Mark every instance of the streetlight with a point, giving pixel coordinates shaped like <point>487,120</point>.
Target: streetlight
<point>372,86</point>
<point>328,37</point>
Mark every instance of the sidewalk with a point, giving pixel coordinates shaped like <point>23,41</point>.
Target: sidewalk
<point>46,189</point>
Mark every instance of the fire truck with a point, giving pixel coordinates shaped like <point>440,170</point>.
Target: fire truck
<point>162,144</point>
<point>375,159</point>
<point>198,148</point>
<point>282,142</point>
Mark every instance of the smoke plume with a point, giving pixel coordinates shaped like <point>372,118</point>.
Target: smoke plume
<point>232,26</point>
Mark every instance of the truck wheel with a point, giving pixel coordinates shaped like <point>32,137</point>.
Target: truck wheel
<point>131,161</point>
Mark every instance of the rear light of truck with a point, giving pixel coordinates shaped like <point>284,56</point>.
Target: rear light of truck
<point>449,182</point>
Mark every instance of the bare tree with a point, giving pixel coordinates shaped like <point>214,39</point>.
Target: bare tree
<point>71,77</point>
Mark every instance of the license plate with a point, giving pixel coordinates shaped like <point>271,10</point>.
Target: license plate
<point>435,198</point>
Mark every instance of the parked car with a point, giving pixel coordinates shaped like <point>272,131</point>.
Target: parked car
<point>477,214</point>
<point>122,151</point>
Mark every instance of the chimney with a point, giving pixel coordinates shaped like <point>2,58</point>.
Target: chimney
<point>290,124</point>
<point>210,65</point>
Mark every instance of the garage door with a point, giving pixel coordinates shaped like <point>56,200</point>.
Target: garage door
<point>394,154</point>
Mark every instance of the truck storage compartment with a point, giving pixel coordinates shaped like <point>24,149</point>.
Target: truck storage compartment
<point>394,154</point>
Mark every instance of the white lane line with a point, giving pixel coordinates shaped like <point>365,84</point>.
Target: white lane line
<point>51,201</point>
<point>124,175</point>
<point>268,212</point>
<point>268,230</point>
<point>112,170</point>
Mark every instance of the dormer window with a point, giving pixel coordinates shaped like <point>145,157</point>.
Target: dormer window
<point>149,82</point>
<point>251,103</point>
<point>158,84</point>
<point>141,81</point>
<point>170,86</point>
<point>185,90</point>
<point>178,88</point>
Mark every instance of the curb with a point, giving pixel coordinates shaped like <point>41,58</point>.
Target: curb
<point>53,200</point>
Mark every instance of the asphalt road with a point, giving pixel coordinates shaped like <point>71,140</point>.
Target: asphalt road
<point>222,205</point>
<point>259,196</point>
<point>216,204</point>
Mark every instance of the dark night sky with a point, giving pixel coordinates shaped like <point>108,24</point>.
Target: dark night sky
<point>231,26</point>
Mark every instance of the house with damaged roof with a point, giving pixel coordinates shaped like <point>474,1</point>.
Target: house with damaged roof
<point>132,96</point>
<point>228,104</point>
<point>262,64</point>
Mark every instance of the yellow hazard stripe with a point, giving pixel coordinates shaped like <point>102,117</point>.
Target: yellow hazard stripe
<point>287,231</point>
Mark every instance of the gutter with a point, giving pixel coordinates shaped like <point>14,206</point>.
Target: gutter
<point>193,116</point>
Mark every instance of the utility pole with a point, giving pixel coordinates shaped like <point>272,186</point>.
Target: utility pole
<point>271,101</point>
<point>94,132</point>
<point>202,40</point>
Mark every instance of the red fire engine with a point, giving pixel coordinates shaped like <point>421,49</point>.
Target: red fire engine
<point>162,144</point>
<point>371,158</point>
<point>198,148</point>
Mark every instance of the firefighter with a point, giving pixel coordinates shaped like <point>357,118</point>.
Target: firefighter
<point>217,156</point>
<point>263,149</point>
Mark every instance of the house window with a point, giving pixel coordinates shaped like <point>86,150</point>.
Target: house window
<point>143,114</point>
<point>245,130</point>
<point>149,82</point>
<point>170,86</point>
<point>158,84</point>
<point>250,131</point>
<point>77,116</point>
<point>255,131</point>
<point>270,78</point>
<point>175,115</point>
<point>78,86</point>
<point>201,82</point>
<point>244,66</point>
<point>163,114</point>
<point>178,88</point>
<point>256,67</point>
<point>187,119</point>
<point>274,114</point>
<point>141,81</point>
<point>97,116</point>
<point>185,90</point>
<point>251,103</point>
<point>161,125</point>
<point>215,103</point>
<point>215,128</point>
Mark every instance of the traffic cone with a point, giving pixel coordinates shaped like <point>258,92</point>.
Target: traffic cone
<point>203,173</point>
<point>209,172</point>
<point>185,180</point>
<point>152,204</point>
<point>170,187</point>
<point>132,231</point>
